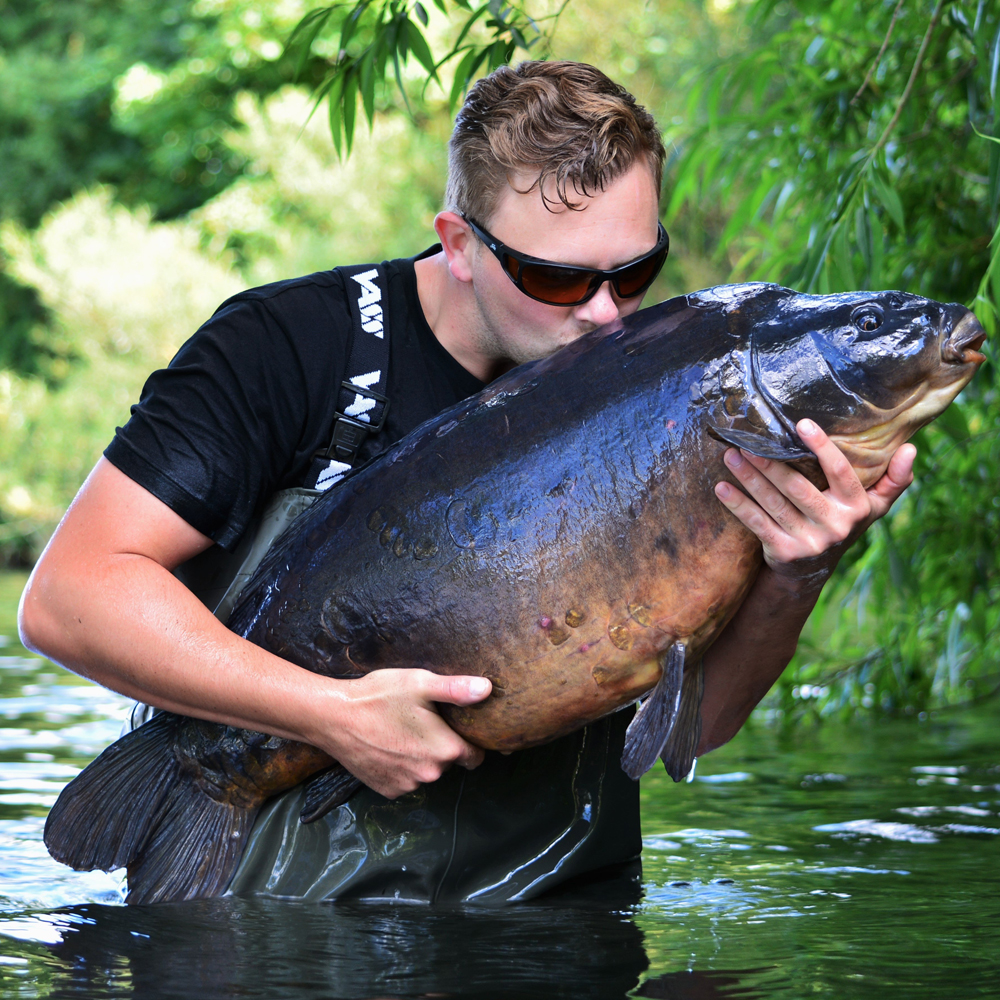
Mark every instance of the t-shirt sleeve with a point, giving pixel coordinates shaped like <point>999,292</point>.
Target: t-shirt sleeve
<point>240,409</point>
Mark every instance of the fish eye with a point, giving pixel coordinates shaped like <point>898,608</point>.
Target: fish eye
<point>867,318</point>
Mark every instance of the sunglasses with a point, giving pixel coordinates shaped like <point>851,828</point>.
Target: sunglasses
<point>565,285</point>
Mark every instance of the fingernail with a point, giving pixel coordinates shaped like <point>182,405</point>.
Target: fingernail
<point>723,490</point>
<point>734,459</point>
<point>479,686</point>
<point>807,427</point>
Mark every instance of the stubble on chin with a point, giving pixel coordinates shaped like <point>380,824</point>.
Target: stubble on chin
<point>503,336</point>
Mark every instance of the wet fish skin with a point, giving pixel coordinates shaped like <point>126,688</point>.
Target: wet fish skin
<point>595,503</point>
<point>557,533</point>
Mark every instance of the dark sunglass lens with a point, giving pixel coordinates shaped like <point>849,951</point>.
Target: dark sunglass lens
<point>556,285</point>
<point>639,276</point>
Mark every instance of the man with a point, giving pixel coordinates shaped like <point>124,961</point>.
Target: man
<point>560,164</point>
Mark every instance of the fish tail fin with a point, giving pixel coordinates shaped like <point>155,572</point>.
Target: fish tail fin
<point>327,791</point>
<point>136,807</point>
<point>678,754</point>
<point>194,850</point>
<point>650,729</point>
<point>104,815</point>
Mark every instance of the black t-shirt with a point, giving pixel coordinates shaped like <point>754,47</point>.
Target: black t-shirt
<point>249,399</point>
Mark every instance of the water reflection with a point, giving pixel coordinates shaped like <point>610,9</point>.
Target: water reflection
<point>293,950</point>
<point>696,985</point>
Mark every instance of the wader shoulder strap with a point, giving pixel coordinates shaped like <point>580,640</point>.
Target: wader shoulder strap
<point>217,577</point>
<point>361,403</point>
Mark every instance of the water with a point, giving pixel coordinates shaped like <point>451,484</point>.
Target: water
<point>840,862</point>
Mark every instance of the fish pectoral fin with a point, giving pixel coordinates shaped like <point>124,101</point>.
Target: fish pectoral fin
<point>760,444</point>
<point>678,752</point>
<point>650,730</point>
<point>326,791</point>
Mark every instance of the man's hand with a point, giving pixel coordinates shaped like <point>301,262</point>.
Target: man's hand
<point>390,735</point>
<point>804,531</point>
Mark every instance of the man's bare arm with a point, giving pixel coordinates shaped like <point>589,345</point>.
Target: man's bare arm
<point>103,602</point>
<point>804,533</point>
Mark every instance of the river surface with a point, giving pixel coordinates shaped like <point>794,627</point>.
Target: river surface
<point>834,862</point>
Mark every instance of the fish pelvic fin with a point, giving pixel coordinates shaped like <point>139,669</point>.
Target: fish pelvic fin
<point>650,729</point>
<point>327,791</point>
<point>136,807</point>
<point>678,754</point>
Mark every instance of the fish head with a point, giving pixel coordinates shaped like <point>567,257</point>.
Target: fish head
<point>870,368</point>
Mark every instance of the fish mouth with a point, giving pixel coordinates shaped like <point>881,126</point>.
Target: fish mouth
<point>962,345</point>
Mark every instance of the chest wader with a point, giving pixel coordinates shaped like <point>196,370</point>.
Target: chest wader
<point>511,829</point>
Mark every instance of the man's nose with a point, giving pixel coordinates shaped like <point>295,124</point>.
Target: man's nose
<point>601,309</point>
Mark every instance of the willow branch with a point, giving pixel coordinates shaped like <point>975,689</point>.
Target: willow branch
<point>881,52</point>
<point>913,77</point>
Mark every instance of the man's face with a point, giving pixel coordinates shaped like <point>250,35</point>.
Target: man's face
<point>609,229</point>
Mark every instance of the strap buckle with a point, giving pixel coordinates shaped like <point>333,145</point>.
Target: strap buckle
<point>348,433</point>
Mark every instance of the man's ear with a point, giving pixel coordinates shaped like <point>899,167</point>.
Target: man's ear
<point>457,242</point>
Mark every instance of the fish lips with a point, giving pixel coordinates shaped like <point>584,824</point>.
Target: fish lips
<point>961,346</point>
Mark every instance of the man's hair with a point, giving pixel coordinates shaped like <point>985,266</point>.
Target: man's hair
<point>563,123</point>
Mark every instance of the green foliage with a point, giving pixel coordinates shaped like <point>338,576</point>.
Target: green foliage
<point>830,185</point>
<point>139,95</point>
<point>849,147</point>
<point>371,38</point>
<point>135,94</point>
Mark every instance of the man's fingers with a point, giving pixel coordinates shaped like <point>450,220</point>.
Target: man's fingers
<point>472,758</point>
<point>897,477</point>
<point>900,470</point>
<point>840,474</point>
<point>749,513</point>
<point>787,496</point>
<point>458,690</point>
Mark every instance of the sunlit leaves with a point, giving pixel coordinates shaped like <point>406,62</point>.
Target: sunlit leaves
<point>787,105</point>
<point>377,39</point>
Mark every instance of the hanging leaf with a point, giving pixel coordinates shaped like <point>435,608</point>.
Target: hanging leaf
<point>304,34</point>
<point>889,198</point>
<point>335,106</point>
<point>350,106</point>
<point>367,85</point>
<point>994,66</point>
<point>420,49</point>
<point>878,250</point>
<point>463,73</point>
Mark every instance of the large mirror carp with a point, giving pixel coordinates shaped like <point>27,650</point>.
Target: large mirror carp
<point>557,533</point>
